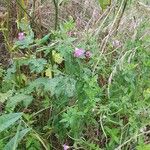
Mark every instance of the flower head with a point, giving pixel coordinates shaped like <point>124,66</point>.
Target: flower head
<point>78,52</point>
<point>88,54</point>
<point>21,36</point>
<point>66,147</point>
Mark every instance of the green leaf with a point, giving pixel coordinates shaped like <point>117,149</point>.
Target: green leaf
<point>1,72</point>
<point>70,83</point>
<point>25,43</point>
<point>143,147</point>
<point>13,101</point>
<point>104,3</point>
<point>16,139</point>
<point>43,40</point>
<point>37,65</point>
<point>8,119</point>
<point>5,96</point>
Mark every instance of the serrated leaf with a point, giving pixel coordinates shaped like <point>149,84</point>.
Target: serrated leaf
<point>14,100</point>
<point>37,65</point>
<point>70,86</point>
<point>58,85</point>
<point>8,119</point>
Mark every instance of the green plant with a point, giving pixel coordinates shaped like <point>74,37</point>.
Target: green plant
<point>77,90</point>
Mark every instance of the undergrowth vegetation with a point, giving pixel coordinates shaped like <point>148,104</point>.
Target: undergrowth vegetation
<point>83,83</point>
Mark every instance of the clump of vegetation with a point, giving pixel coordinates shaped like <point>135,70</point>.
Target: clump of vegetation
<point>78,82</point>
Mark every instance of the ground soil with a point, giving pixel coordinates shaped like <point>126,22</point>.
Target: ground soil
<point>4,54</point>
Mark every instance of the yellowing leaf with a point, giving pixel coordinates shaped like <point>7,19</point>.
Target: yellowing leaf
<point>5,96</point>
<point>48,73</point>
<point>57,57</point>
<point>24,78</point>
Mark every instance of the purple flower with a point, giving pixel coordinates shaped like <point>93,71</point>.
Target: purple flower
<point>21,36</point>
<point>78,52</point>
<point>66,147</point>
<point>88,54</point>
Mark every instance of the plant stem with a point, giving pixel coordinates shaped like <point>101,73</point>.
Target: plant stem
<point>56,13</point>
<point>29,16</point>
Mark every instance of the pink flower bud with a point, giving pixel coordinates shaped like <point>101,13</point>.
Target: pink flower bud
<point>88,54</point>
<point>78,52</point>
<point>21,36</point>
<point>66,147</point>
